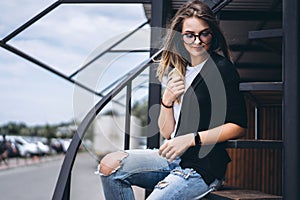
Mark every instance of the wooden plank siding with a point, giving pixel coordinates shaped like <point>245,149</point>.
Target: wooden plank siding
<point>258,169</point>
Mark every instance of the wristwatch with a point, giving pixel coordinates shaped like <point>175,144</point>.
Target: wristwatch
<point>197,139</point>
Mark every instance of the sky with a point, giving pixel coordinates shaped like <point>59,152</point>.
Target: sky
<point>65,39</point>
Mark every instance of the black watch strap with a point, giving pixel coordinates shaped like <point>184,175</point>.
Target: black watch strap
<point>197,139</point>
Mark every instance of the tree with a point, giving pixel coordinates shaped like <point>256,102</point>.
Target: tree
<point>140,110</point>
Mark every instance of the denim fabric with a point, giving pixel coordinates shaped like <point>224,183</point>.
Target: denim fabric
<point>147,169</point>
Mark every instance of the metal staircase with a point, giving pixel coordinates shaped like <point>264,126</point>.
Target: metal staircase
<point>281,81</point>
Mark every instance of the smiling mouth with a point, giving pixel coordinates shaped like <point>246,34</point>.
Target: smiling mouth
<point>198,48</point>
<point>202,45</point>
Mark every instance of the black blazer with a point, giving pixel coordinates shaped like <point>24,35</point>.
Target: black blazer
<point>212,100</point>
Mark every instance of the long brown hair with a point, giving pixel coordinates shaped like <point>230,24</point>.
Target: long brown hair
<point>174,53</point>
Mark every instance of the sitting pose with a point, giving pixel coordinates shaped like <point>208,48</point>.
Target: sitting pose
<point>201,108</point>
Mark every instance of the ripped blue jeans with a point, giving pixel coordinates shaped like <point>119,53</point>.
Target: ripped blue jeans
<point>147,169</point>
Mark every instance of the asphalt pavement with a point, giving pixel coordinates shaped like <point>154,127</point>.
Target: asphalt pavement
<point>35,179</point>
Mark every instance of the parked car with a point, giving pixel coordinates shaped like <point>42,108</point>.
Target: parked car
<point>8,149</point>
<point>56,145</point>
<point>26,148</point>
<point>60,145</point>
<point>65,144</point>
<point>12,150</point>
<point>43,148</point>
<point>41,143</point>
<point>3,151</point>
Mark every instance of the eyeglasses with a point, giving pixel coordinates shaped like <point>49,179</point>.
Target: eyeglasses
<point>204,37</point>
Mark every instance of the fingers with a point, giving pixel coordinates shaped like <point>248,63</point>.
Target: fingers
<point>175,147</point>
<point>172,158</point>
<point>162,148</point>
<point>175,80</point>
<point>178,84</point>
<point>176,87</point>
<point>168,151</point>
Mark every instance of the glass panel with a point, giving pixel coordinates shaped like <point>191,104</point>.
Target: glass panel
<point>14,13</point>
<point>65,37</point>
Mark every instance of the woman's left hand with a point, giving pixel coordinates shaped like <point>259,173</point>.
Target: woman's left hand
<point>175,147</point>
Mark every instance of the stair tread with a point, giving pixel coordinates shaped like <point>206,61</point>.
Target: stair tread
<point>241,194</point>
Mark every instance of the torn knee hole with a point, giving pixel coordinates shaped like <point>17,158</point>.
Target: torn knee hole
<point>111,163</point>
<point>107,170</point>
<point>162,184</point>
<point>181,173</point>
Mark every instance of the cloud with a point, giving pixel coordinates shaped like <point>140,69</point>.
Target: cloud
<point>70,33</point>
<point>64,39</point>
<point>16,12</point>
<point>32,95</point>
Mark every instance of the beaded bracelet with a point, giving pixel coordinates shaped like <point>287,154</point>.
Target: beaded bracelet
<point>164,105</point>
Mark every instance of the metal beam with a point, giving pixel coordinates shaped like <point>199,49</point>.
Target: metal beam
<point>212,3</point>
<point>31,21</point>
<point>246,15</point>
<point>50,69</point>
<point>260,75</point>
<point>291,99</point>
<point>258,65</point>
<point>271,33</point>
<point>254,144</point>
<point>109,48</point>
<point>260,26</point>
<point>261,86</point>
<point>44,66</point>
<point>106,1</point>
<point>219,4</point>
<point>259,47</point>
<point>129,51</point>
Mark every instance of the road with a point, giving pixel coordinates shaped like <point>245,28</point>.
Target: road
<point>37,181</point>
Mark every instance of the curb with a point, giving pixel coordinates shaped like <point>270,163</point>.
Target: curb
<point>12,163</point>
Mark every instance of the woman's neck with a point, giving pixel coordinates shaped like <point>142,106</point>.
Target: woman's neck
<point>197,60</point>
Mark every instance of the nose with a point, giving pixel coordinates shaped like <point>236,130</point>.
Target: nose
<point>197,40</point>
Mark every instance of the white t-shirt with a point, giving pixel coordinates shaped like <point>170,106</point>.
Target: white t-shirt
<point>190,74</point>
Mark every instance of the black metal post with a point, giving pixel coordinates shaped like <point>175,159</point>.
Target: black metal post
<point>291,80</point>
<point>127,116</point>
<point>158,20</point>
<point>258,122</point>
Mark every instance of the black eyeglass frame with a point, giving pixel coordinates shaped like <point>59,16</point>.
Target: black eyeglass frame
<point>204,33</point>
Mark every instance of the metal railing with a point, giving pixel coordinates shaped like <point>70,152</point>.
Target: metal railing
<point>62,189</point>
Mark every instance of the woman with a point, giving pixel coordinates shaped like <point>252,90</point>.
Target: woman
<point>201,108</point>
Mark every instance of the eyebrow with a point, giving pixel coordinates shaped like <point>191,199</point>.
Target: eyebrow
<point>188,31</point>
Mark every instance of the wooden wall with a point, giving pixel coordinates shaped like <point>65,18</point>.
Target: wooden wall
<point>259,169</point>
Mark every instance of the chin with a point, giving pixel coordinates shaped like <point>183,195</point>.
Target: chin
<point>198,52</point>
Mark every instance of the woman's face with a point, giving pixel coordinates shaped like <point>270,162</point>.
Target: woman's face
<point>196,36</point>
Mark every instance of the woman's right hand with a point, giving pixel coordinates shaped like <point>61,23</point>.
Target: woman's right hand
<point>175,88</point>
